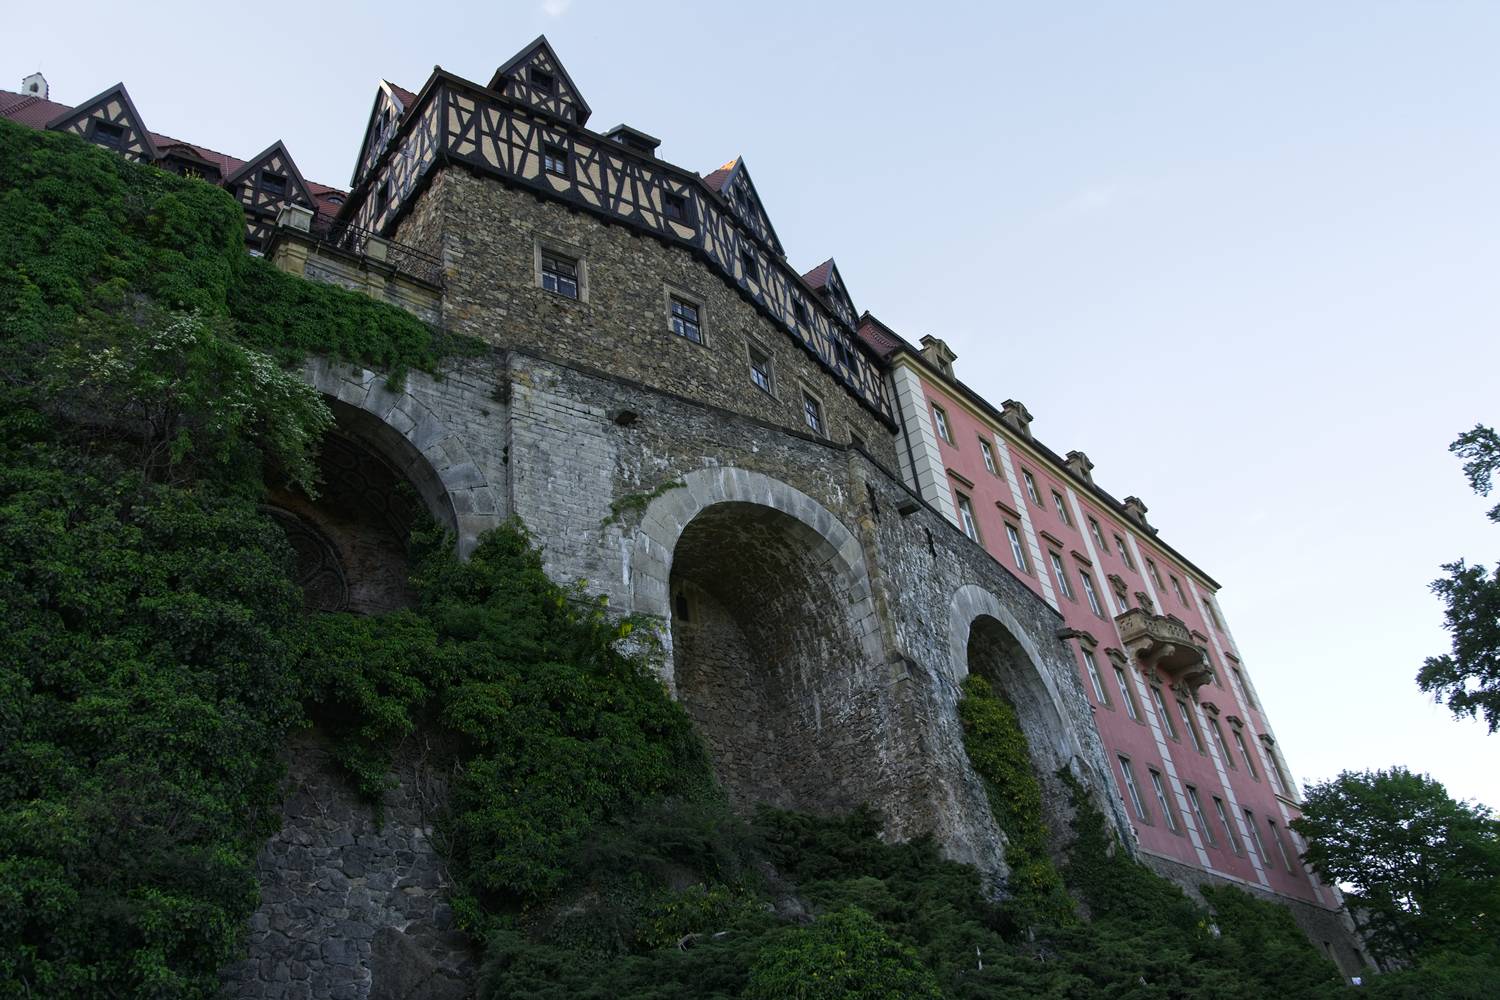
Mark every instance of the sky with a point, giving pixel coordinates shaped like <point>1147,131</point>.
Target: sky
<point>1243,255</point>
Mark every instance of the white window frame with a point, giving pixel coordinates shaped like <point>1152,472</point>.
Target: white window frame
<point>1187,721</point>
<point>1234,840</point>
<point>1280,844</point>
<point>549,247</point>
<point>1098,532</point>
<point>1124,682</point>
<point>1091,667</point>
<point>1160,701</point>
<point>1161,799</point>
<point>940,421</point>
<point>1062,575</point>
<point>752,349</point>
<point>1132,790</point>
<point>1260,845</point>
<point>988,453</point>
<point>1239,741</point>
<point>1197,804</point>
<point>1017,550</point>
<point>1031,490</point>
<point>966,515</point>
<point>1091,593</point>
<point>1062,508</point>
<point>817,409</point>
<point>1124,551</point>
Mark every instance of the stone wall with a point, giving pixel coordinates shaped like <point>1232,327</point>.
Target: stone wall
<point>488,237</point>
<point>354,906</point>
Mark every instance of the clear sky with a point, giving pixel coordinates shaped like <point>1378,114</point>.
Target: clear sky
<point>1244,255</point>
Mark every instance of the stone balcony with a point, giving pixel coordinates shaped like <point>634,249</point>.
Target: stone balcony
<point>357,260</point>
<point>1164,644</point>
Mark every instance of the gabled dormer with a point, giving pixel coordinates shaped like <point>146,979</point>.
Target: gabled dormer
<point>829,284</point>
<point>391,104</point>
<point>536,77</point>
<point>186,160</point>
<point>263,185</point>
<point>110,120</point>
<point>732,182</point>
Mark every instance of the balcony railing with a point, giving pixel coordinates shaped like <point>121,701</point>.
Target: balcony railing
<point>1164,644</point>
<point>351,238</point>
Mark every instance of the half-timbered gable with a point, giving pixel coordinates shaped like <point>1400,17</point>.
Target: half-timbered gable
<point>536,77</point>
<point>829,284</point>
<point>263,185</point>
<point>391,103</point>
<point>186,160</point>
<point>732,182</point>
<point>454,121</point>
<point>110,120</point>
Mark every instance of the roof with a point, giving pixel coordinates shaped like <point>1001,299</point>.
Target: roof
<point>406,97</point>
<point>35,112</point>
<point>715,180</point>
<point>882,338</point>
<point>818,276</point>
<point>28,109</point>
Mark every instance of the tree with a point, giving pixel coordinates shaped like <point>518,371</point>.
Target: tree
<point>1468,679</point>
<point>1421,872</point>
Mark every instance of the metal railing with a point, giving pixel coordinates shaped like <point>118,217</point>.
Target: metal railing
<point>354,239</point>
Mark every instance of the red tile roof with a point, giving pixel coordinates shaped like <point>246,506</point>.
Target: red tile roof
<point>715,180</point>
<point>818,276</point>
<point>406,97</point>
<point>879,336</point>
<point>28,109</point>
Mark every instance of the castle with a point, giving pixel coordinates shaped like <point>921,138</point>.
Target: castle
<point>831,529</point>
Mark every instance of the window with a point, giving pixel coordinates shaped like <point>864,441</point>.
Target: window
<point>1098,535</point>
<point>273,184</point>
<point>1280,845</point>
<point>1062,508</point>
<point>542,80</point>
<point>1260,845</point>
<point>1234,840</point>
<point>382,197</point>
<point>1161,708</point>
<point>554,159</point>
<point>1095,680</point>
<point>1062,576</point>
<point>1161,799</point>
<point>1187,723</point>
<point>857,441</point>
<point>685,321</point>
<point>966,517</point>
<point>1124,683</point>
<point>109,134</point>
<point>1155,576</point>
<point>1239,741</point>
<point>760,370</point>
<point>940,419</point>
<point>1244,688</point>
<point>988,454</point>
<point>1036,497</point>
<point>1121,604</point>
<point>1134,792</point>
<point>560,275</point>
<point>1208,831</point>
<point>1219,739</point>
<point>812,413</point>
<point>799,309</point>
<point>1213,615</point>
<point>1091,593</point>
<point>1016,549</point>
<point>1124,552</point>
<point>674,206</point>
<point>1177,589</point>
<point>748,265</point>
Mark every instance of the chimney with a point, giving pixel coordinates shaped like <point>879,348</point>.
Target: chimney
<point>1015,416</point>
<point>35,85</point>
<point>938,354</point>
<point>1078,463</point>
<point>1136,511</point>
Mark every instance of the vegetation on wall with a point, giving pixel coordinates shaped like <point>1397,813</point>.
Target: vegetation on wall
<point>153,657</point>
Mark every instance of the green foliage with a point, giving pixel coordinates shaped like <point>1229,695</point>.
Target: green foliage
<point>845,955</point>
<point>997,748</point>
<point>1421,871</point>
<point>1468,678</point>
<point>634,503</point>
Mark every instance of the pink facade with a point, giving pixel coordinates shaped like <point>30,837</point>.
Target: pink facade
<point>1192,753</point>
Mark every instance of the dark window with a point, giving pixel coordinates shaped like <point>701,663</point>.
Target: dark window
<point>799,309</point>
<point>109,134</point>
<point>543,81</point>
<point>554,159</point>
<point>382,198</point>
<point>675,206</point>
<point>760,370</point>
<point>273,184</point>
<point>843,352</point>
<point>685,320</point>
<point>682,608</point>
<point>747,263</point>
<point>560,275</point>
<point>812,412</point>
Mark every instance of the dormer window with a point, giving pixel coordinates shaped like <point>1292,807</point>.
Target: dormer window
<point>273,184</point>
<point>542,80</point>
<point>554,159</point>
<point>109,134</point>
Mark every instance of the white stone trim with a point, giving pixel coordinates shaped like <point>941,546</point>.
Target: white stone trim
<point>929,478</point>
<point>1039,567</point>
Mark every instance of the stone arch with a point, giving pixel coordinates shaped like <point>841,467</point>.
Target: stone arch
<point>773,645</point>
<point>410,435</point>
<point>986,638</point>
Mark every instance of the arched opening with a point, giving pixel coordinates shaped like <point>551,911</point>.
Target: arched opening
<point>995,653</point>
<point>350,543</point>
<point>768,658</point>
